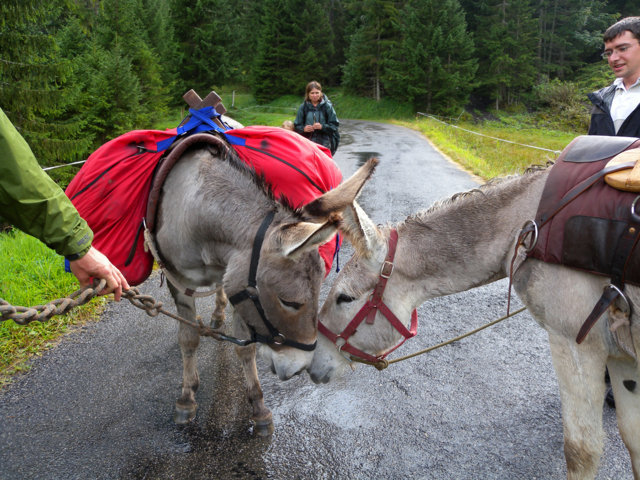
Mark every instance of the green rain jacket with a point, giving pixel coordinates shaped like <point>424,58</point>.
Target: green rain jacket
<point>31,201</point>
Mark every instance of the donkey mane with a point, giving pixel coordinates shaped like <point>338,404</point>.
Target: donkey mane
<point>259,180</point>
<point>498,188</point>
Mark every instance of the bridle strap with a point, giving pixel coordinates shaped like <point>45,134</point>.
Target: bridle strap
<point>369,309</point>
<point>257,245</point>
<point>253,266</point>
<point>255,258</point>
<point>385,272</point>
<point>350,349</point>
<point>251,292</point>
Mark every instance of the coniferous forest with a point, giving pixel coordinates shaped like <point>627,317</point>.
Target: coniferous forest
<point>75,73</point>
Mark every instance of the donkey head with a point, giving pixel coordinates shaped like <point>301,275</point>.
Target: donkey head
<point>350,295</point>
<point>280,309</point>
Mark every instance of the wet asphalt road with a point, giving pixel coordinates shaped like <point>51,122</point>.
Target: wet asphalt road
<point>99,406</point>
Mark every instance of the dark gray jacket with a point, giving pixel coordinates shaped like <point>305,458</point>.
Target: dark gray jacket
<point>601,121</point>
<point>322,113</point>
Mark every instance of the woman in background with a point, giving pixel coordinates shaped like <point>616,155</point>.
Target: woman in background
<point>316,118</point>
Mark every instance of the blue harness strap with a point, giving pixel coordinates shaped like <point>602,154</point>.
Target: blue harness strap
<point>201,121</point>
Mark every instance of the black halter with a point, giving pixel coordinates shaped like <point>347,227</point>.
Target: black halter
<point>251,292</point>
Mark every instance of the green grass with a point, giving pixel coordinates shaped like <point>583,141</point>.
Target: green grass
<point>487,157</point>
<point>284,108</point>
<point>31,275</point>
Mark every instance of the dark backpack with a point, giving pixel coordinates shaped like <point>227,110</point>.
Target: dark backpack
<point>335,141</point>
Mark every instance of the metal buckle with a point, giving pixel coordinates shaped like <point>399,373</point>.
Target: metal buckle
<point>627,308</point>
<point>279,339</point>
<point>387,265</point>
<point>528,233</point>
<point>634,215</point>
<point>253,293</point>
<point>342,341</point>
<point>237,341</point>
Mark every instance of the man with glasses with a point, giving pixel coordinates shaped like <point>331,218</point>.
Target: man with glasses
<point>616,108</point>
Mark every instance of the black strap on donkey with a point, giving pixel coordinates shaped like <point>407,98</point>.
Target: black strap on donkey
<point>252,293</point>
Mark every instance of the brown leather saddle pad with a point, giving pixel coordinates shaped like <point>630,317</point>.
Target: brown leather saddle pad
<point>585,233</point>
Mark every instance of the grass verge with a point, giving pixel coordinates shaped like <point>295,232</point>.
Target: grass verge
<point>487,157</point>
<point>32,274</point>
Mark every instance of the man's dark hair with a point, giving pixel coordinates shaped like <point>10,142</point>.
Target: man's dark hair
<point>631,24</point>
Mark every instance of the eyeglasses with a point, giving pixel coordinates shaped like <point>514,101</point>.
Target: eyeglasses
<point>620,49</point>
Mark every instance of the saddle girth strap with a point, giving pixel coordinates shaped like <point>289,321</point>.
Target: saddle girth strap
<point>625,246</point>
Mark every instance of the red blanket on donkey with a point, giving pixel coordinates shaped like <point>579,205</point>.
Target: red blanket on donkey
<point>112,188</point>
<point>294,167</point>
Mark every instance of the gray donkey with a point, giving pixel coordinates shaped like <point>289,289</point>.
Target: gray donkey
<point>217,223</point>
<point>465,242</point>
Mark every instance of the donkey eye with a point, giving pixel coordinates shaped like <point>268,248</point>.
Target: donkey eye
<point>344,298</point>
<point>294,305</point>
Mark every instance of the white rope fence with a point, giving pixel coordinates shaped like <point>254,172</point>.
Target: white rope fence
<point>419,113</point>
<point>488,136</point>
<point>65,165</point>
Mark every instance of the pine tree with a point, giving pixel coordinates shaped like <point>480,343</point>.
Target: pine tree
<point>162,40</point>
<point>120,30</point>
<point>34,80</point>
<point>570,32</point>
<point>506,51</point>
<point>337,21</point>
<point>244,20</point>
<point>277,51</point>
<point>112,93</point>
<point>315,43</point>
<point>204,31</point>
<point>433,67</point>
<point>373,36</point>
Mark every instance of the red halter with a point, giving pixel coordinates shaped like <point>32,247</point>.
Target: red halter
<point>369,309</point>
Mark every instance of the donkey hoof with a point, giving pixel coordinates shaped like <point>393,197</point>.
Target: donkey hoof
<point>263,427</point>
<point>183,414</point>
<point>217,322</point>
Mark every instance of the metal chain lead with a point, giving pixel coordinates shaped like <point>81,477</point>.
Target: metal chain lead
<point>42,313</point>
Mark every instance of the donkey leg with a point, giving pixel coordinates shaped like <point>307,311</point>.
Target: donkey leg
<point>626,390</point>
<point>189,339</point>
<point>580,371</point>
<point>217,319</point>
<point>261,415</point>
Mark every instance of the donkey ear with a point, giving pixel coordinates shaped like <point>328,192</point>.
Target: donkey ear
<point>342,196</point>
<point>299,237</point>
<point>361,231</point>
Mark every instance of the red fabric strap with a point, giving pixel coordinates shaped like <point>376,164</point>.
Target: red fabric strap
<point>369,310</point>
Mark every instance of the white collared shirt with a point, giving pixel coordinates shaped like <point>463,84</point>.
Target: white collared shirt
<point>624,102</point>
